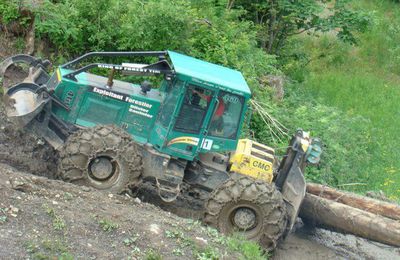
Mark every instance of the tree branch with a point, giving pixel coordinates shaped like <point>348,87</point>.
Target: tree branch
<point>230,4</point>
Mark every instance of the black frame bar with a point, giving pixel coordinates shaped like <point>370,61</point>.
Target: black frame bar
<point>160,54</point>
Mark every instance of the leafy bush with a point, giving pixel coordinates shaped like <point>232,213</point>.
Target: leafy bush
<point>9,10</point>
<point>345,137</point>
<point>279,20</point>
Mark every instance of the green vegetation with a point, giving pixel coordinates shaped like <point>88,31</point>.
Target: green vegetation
<point>153,255</point>
<point>212,245</point>
<point>129,241</point>
<point>362,84</point>
<point>278,21</point>
<point>48,249</point>
<point>340,57</point>
<point>108,225</point>
<point>58,221</point>
<point>9,11</point>
<point>248,249</point>
<point>3,215</point>
<point>208,253</point>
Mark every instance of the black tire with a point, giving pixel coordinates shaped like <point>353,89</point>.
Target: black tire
<point>104,157</point>
<point>258,199</point>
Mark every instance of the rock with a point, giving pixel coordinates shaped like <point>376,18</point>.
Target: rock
<point>20,185</point>
<point>137,200</point>
<point>86,189</point>
<point>201,242</point>
<point>155,229</point>
<point>277,83</point>
<point>14,209</point>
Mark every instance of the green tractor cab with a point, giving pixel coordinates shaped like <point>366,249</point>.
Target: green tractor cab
<point>182,136</point>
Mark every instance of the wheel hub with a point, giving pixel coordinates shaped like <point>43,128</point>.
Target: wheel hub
<point>244,218</point>
<point>101,168</point>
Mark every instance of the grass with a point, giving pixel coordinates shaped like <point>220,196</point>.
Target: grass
<point>3,216</point>
<point>130,241</point>
<point>248,249</point>
<point>108,225</point>
<point>208,253</point>
<point>48,249</point>
<point>217,246</point>
<point>364,81</point>
<point>153,255</point>
<point>58,221</point>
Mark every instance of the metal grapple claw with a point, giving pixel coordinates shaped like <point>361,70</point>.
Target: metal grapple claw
<point>22,102</point>
<point>37,69</point>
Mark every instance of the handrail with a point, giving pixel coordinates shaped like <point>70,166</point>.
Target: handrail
<point>145,70</point>
<point>160,54</point>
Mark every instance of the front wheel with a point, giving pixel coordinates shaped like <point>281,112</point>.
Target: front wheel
<point>104,157</point>
<point>251,207</point>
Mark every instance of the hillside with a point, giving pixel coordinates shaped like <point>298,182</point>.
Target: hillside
<point>363,81</point>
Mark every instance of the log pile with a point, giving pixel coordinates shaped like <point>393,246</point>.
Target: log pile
<point>350,213</point>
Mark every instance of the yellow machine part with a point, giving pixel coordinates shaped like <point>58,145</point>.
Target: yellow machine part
<point>253,159</point>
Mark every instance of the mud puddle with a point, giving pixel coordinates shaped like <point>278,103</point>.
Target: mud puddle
<point>314,243</point>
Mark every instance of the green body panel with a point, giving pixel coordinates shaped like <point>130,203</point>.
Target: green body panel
<point>154,117</point>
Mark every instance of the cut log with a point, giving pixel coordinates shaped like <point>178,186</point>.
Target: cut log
<point>340,217</point>
<point>364,203</point>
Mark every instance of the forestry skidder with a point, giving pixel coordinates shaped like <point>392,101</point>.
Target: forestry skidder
<point>182,136</point>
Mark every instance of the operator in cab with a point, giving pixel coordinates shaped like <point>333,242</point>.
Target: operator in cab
<point>217,122</point>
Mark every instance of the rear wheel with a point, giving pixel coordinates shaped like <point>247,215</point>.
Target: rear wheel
<point>104,157</point>
<point>251,207</point>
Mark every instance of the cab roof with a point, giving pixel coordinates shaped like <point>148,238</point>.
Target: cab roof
<point>209,72</point>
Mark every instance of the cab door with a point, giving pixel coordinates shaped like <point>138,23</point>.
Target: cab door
<point>185,138</point>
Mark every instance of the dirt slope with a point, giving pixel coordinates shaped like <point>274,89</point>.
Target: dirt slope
<point>42,218</point>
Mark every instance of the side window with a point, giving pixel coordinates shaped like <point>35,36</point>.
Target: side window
<point>225,121</point>
<point>169,103</point>
<point>194,109</point>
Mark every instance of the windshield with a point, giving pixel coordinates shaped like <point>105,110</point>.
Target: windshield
<point>226,118</point>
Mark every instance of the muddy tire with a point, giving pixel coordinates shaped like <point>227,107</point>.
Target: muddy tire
<point>104,157</point>
<point>253,208</point>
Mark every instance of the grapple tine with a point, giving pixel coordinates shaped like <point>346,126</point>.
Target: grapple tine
<point>37,75</point>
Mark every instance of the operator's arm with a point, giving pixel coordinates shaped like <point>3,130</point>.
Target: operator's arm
<point>202,95</point>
